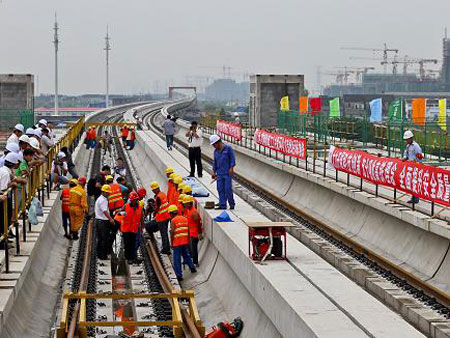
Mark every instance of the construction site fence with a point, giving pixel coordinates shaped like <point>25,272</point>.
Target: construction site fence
<point>17,200</point>
<point>361,132</point>
<point>10,117</point>
<point>317,162</point>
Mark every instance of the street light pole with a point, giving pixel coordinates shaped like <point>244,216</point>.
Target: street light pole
<point>56,43</point>
<point>107,49</point>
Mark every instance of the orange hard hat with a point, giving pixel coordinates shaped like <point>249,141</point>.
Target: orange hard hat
<point>133,196</point>
<point>82,179</point>
<point>142,192</point>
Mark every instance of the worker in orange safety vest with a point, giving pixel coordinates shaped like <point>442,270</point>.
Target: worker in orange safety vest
<point>195,226</point>
<point>180,241</point>
<point>161,216</point>
<point>65,194</point>
<point>78,207</point>
<point>130,225</point>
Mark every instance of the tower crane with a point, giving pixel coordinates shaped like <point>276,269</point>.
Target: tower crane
<point>406,62</point>
<point>384,50</point>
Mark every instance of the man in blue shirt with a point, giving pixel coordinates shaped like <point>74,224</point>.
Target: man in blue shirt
<point>413,152</point>
<point>223,167</point>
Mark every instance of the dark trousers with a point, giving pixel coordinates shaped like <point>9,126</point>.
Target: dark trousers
<point>194,249</point>
<point>129,241</point>
<point>65,221</point>
<point>169,141</point>
<point>195,157</point>
<point>162,226</point>
<point>103,238</point>
<point>112,234</point>
<point>73,172</point>
<point>178,252</point>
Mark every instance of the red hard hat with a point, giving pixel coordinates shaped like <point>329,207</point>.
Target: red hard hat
<point>142,192</point>
<point>82,179</point>
<point>133,196</point>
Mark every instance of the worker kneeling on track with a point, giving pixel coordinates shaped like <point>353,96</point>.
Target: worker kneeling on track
<point>78,207</point>
<point>104,222</point>
<point>131,223</point>
<point>180,241</point>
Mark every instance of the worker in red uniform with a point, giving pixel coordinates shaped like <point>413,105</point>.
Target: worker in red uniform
<point>180,205</point>
<point>65,195</point>
<point>180,241</point>
<point>170,175</point>
<point>124,134</point>
<point>131,222</point>
<point>176,181</point>
<point>161,216</point>
<point>88,138</point>
<point>195,226</point>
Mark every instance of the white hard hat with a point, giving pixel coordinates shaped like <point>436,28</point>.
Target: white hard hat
<point>37,132</point>
<point>236,114</point>
<point>408,134</point>
<point>12,147</point>
<point>30,131</point>
<point>24,138</point>
<point>213,139</point>
<point>61,155</point>
<point>44,122</point>
<point>19,127</point>
<point>34,143</point>
<point>12,158</point>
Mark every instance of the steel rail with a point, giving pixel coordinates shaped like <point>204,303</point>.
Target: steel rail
<point>431,291</point>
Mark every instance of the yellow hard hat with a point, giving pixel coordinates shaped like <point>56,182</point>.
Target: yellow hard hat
<point>178,179</point>
<point>109,177</point>
<point>73,180</point>
<point>172,176</point>
<point>181,198</point>
<point>172,208</point>
<point>106,188</point>
<point>187,189</point>
<point>188,199</point>
<point>154,185</point>
<point>169,171</point>
<point>181,186</point>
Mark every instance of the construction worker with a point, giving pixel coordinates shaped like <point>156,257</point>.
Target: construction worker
<point>104,222</point>
<point>180,204</point>
<point>176,181</point>
<point>171,188</point>
<point>180,241</point>
<point>131,223</point>
<point>82,181</point>
<point>124,135</point>
<point>188,191</point>
<point>115,199</point>
<point>78,207</point>
<point>161,216</point>
<point>195,226</point>
<point>65,195</point>
<point>180,187</point>
<point>412,152</point>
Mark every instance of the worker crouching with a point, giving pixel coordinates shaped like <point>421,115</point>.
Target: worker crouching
<point>180,241</point>
<point>195,226</point>
<point>78,207</point>
<point>131,223</point>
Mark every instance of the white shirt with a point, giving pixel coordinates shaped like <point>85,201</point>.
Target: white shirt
<point>196,141</point>
<point>47,143</point>
<point>64,166</point>
<point>101,205</point>
<point>13,138</point>
<point>5,177</point>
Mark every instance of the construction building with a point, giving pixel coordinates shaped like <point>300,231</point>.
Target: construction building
<point>227,90</point>
<point>266,92</point>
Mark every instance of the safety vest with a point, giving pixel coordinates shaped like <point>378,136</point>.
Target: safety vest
<point>65,195</point>
<point>115,199</point>
<point>180,231</point>
<point>132,219</point>
<point>170,190</point>
<point>195,226</point>
<point>161,213</point>
<point>133,136</point>
<point>76,196</point>
<point>124,132</point>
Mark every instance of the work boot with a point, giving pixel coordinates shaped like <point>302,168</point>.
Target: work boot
<point>193,270</point>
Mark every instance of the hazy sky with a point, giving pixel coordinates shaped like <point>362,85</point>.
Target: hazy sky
<point>171,39</point>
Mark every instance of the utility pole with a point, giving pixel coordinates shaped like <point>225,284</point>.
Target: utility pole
<point>56,43</point>
<point>107,49</point>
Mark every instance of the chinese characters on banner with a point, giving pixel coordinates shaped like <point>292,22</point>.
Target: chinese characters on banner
<point>414,178</point>
<point>288,145</point>
<point>230,129</point>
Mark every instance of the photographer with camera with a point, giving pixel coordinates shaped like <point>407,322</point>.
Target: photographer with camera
<point>195,140</point>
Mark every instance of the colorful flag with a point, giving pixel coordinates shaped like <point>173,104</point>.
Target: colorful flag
<point>284,103</point>
<point>316,105</point>
<point>419,111</point>
<point>442,120</point>
<point>303,105</point>
<point>395,111</point>
<point>335,109</point>
<point>376,110</point>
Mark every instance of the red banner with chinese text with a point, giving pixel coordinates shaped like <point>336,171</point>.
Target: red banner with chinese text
<point>288,145</point>
<point>414,178</point>
<point>230,129</point>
